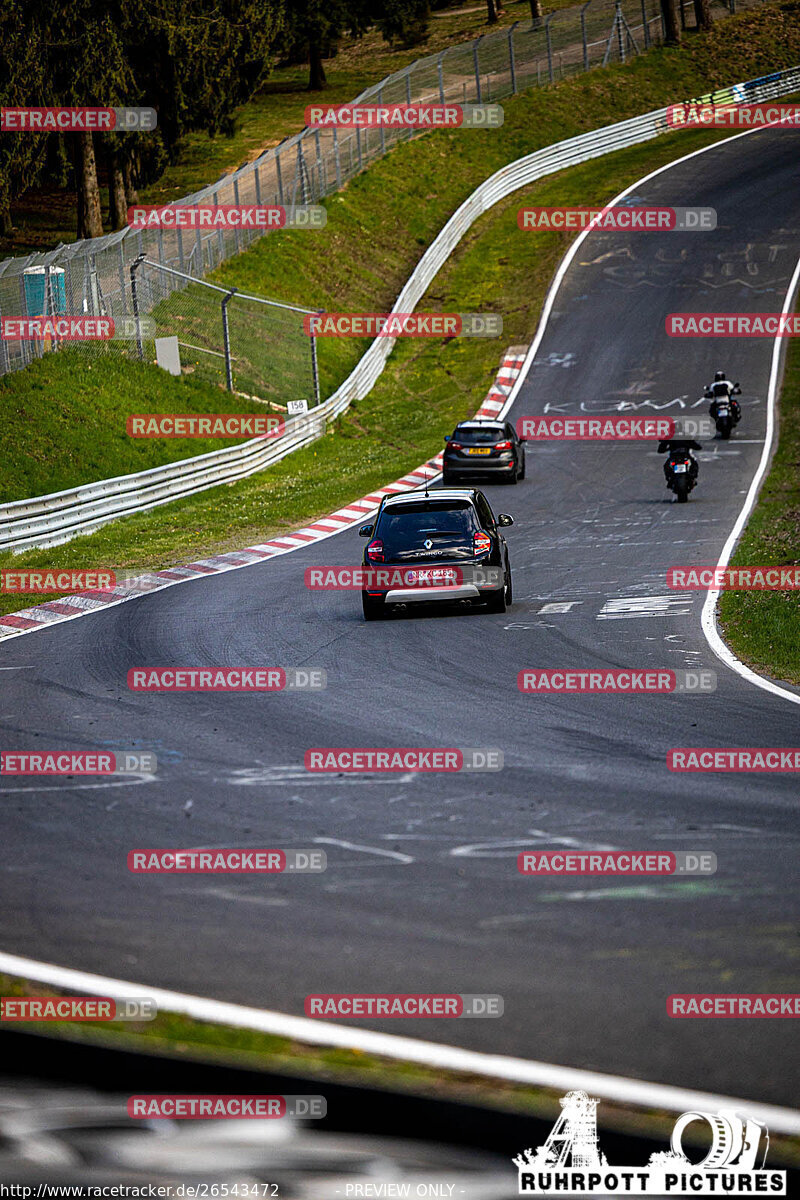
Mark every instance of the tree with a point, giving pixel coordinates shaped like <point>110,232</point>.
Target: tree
<point>404,21</point>
<point>491,12</point>
<point>536,11</point>
<point>22,75</point>
<point>672,29</point>
<point>702,14</point>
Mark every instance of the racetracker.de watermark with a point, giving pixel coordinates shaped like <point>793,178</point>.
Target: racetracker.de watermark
<point>753,758</point>
<point>628,682</point>
<point>352,760</point>
<point>608,429</point>
<point>225,1107</point>
<point>753,1004</point>
<point>729,325</point>
<point>404,116</point>
<point>70,762</point>
<point>692,113</point>
<point>27,583</point>
<point>227,679</point>
<point>76,329</point>
<point>349,579</point>
<point>37,119</point>
<point>734,579</point>
<point>225,425</point>
<point>226,861</point>
<point>616,862</point>
<point>77,1008</point>
<point>227,216</point>
<point>395,325</point>
<point>411,1004</point>
<point>622,217</point>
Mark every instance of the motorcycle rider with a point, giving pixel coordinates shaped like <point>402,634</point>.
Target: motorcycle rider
<point>723,390</point>
<point>679,450</point>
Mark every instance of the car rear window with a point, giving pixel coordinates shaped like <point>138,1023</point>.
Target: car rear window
<point>486,436</point>
<point>403,526</point>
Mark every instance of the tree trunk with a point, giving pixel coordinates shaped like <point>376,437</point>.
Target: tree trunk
<point>90,217</point>
<point>536,11</point>
<point>131,194</point>
<point>117,198</point>
<point>492,12</point>
<point>672,30</point>
<point>6,227</point>
<point>702,14</point>
<point>316,79</point>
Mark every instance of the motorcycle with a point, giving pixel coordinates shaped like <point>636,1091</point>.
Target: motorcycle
<point>680,468</point>
<point>724,412</point>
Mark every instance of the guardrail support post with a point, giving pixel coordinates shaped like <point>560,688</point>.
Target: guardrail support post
<point>135,302</point>
<point>226,338</point>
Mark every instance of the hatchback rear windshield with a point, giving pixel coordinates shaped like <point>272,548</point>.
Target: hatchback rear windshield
<point>405,525</point>
<point>486,436</point>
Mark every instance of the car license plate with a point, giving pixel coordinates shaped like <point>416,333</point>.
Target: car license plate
<point>679,467</point>
<point>431,575</point>
<point>479,450</point>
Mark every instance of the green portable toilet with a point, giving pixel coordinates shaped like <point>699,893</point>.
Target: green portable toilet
<point>34,281</point>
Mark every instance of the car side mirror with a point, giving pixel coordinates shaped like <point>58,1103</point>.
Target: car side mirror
<point>448,437</point>
<point>504,519</point>
<point>366,531</point>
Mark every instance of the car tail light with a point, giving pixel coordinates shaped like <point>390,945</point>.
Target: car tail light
<point>455,445</point>
<point>503,446</point>
<point>375,551</point>
<point>481,543</point>
<point>688,462</point>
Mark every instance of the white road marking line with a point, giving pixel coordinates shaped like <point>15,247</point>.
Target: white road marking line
<point>559,606</point>
<point>625,607</point>
<point>403,858</point>
<point>405,1049</point>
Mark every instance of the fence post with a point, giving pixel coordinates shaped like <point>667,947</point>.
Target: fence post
<point>5,361</point>
<point>358,148</point>
<point>475,46</point>
<point>199,246</point>
<point>236,233</point>
<point>441,77</point>
<point>280,178</point>
<point>122,289</point>
<point>646,25</point>
<point>301,166</point>
<point>323,183</point>
<point>220,234</point>
<point>135,302</point>
<point>226,338</point>
<point>257,178</point>
<point>181,261</point>
<point>583,35</point>
<point>549,47</point>
<point>383,132</point>
<point>512,64</point>
<point>26,345</point>
<point>337,158</point>
<point>314,369</point>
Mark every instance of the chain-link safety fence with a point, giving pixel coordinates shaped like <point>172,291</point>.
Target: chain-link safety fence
<point>92,277</point>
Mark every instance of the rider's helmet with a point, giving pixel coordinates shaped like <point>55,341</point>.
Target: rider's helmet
<point>718,375</point>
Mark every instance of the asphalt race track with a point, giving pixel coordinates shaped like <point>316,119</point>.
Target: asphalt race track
<point>422,891</point>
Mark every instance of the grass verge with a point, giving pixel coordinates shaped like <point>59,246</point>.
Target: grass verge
<point>763,628</point>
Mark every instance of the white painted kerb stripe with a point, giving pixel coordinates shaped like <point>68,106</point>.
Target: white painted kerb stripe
<point>450,1058</point>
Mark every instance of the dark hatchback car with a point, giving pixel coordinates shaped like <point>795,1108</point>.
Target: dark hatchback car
<point>483,447</point>
<point>442,545</point>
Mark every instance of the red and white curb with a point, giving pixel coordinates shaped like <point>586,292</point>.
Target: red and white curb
<point>67,608</point>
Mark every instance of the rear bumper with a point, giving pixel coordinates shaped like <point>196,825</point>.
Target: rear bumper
<point>478,464</point>
<point>423,595</point>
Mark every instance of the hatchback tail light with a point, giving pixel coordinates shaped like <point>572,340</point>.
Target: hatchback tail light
<point>503,446</point>
<point>375,551</point>
<point>481,543</point>
<point>455,445</point>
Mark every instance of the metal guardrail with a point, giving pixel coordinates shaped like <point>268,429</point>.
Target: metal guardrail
<point>50,520</point>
